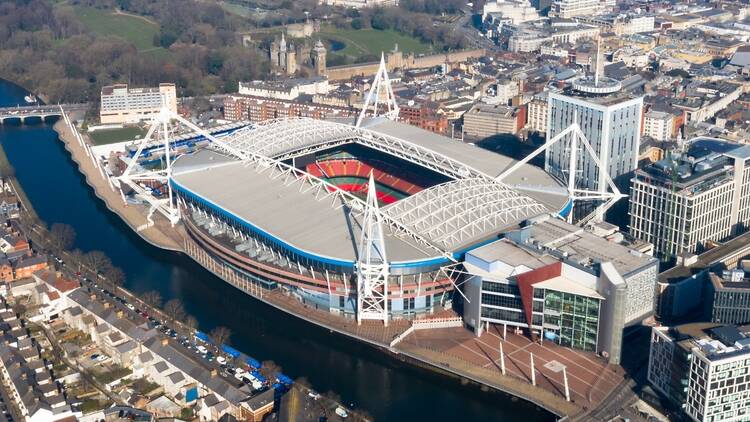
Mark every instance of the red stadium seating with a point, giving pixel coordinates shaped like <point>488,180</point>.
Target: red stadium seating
<point>355,168</point>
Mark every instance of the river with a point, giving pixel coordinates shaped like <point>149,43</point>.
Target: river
<point>360,375</point>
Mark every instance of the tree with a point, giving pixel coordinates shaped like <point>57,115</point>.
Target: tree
<point>115,277</point>
<point>174,309</point>
<point>77,257</point>
<point>152,298</point>
<point>191,322</point>
<point>220,335</point>
<point>97,261</point>
<point>269,368</point>
<point>62,237</point>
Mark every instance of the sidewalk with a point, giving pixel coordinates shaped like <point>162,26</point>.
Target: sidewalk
<point>161,234</point>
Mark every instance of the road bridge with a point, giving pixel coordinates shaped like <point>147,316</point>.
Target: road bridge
<point>39,111</point>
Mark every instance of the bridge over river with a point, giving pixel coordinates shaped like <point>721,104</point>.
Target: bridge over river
<point>38,111</point>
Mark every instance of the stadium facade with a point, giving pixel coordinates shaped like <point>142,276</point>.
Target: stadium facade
<point>281,204</point>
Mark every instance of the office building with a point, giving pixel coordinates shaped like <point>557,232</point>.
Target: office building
<point>562,283</point>
<point>687,199</point>
<point>120,104</point>
<point>610,120</point>
<point>485,120</point>
<point>701,369</point>
<point>728,295</point>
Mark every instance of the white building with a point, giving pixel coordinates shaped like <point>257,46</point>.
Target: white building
<point>611,123</point>
<point>680,203</point>
<point>120,104</point>
<point>702,370</point>
<point>505,90</point>
<point>658,125</point>
<point>573,8</point>
<point>288,89</point>
<point>536,115</point>
<point>358,4</point>
<point>532,36</point>
<point>513,12</point>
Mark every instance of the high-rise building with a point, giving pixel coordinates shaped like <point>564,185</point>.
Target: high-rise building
<point>120,104</point>
<point>610,120</point>
<point>687,199</point>
<point>562,283</point>
<point>702,370</point>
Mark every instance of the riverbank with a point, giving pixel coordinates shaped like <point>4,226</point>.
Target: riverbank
<point>160,234</point>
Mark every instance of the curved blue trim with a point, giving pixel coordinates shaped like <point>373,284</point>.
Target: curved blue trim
<point>564,211</point>
<point>257,230</point>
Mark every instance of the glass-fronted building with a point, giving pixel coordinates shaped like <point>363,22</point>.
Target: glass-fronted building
<point>578,290</point>
<point>570,319</point>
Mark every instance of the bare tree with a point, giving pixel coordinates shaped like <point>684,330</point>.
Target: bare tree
<point>220,335</point>
<point>97,261</point>
<point>269,368</point>
<point>115,277</point>
<point>152,298</point>
<point>77,257</point>
<point>62,237</point>
<point>191,322</point>
<point>174,309</point>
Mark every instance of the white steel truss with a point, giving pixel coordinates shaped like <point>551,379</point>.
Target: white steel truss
<point>284,139</point>
<point>160,132</point>
<point>381,85</point>
<point>453,212</point>
<point>372,263</point>
<point>575,135</point>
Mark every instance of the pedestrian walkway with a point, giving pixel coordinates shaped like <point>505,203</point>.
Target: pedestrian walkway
<point>590,378</point>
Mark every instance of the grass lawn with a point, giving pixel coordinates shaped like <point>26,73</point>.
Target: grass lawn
<point>110,136</point>
<point>136,30</point>
<point>372,41</point>
<point>237,9</point>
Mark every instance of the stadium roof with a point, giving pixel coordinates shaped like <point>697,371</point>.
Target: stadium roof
<point>279,201</point>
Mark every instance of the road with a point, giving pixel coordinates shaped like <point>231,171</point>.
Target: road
<point>474,38</point>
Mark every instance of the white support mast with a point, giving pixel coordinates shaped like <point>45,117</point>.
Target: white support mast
<point>159,136</point>
<point>372,264</point>
<point>576,135</point>
<point>380,85</point>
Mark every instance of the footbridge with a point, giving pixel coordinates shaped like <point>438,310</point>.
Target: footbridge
<point>38,111</point>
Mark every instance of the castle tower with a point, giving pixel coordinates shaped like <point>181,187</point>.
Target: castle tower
<point>319,58</point>
<point>282,53</point>
<point>291,60</point>
<point>274,54</point>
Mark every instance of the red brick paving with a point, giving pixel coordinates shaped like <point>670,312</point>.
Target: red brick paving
<point>590,378</point>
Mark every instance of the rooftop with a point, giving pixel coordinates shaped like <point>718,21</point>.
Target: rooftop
<point>584,248</point>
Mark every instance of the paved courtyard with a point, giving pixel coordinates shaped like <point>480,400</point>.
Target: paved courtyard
<point>590,378</point>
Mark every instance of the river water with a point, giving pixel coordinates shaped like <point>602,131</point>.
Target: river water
<point>360,375</point>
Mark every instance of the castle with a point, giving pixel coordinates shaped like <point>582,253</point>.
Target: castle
<point>287,59</point>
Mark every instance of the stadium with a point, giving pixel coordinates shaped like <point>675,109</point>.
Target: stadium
<point>284,204</point>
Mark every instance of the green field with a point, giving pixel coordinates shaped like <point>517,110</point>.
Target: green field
<point>110,136</point>
<point>138,31</point>
<point>372,41</point>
